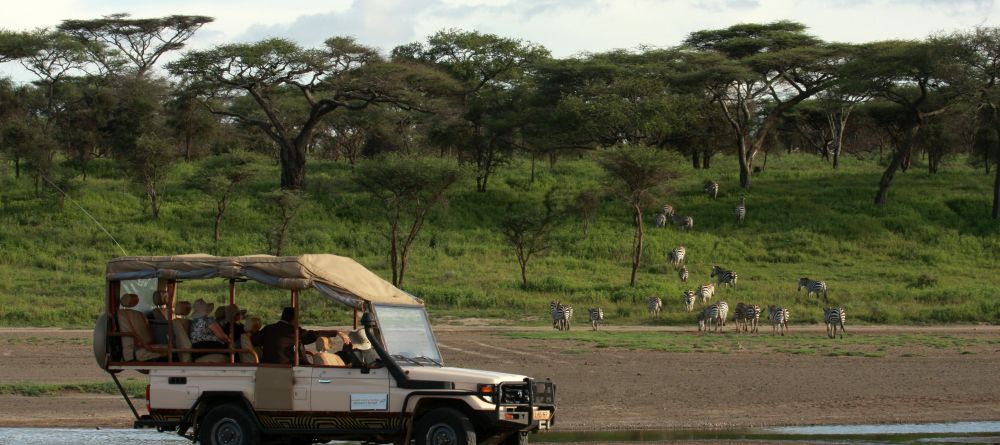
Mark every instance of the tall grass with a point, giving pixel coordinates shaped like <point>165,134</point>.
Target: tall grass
<point>929,256</point>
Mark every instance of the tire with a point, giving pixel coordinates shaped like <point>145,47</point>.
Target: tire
<point>517,438</point>
<point>228,425</point>
<point>445,426</point>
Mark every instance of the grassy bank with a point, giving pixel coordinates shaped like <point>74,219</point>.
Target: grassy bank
<point>34,389</point>
<point>929,256</point>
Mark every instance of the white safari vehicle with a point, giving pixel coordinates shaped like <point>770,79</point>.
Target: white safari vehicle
<point>226,397</point>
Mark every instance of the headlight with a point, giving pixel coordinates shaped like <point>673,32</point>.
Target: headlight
<point>486,391</point>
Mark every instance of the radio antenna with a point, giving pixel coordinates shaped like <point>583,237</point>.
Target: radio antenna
<point>85,212</point>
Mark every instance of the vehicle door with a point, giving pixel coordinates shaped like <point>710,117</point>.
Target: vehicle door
<point>350,390</point>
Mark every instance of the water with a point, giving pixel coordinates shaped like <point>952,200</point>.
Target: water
<point>923,433</point>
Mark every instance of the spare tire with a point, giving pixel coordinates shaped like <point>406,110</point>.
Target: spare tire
<point>101,341</point>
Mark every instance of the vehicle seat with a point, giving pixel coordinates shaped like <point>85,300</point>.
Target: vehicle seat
<point>181,312</point>
<point>138,346</point>
<point>323,356</point>
<point>247,357</point>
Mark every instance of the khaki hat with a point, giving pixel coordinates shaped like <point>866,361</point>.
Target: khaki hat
<point>202,308</point>
<point>232,310</point>
<point>359,340</point>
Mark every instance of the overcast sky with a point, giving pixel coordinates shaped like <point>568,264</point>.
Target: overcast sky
<point>565,27</point>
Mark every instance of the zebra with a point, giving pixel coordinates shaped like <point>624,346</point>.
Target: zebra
<point>683,274</point>
<point>752,315</point>
<point>723,311</point>
<point>655,304</point>
<point>813,287</point>
<point>684,222</point>
<point>713,315</point>
<point>596,317</point>
<point>712,188</point>
<point>739,316</point>
<point>741,211</point>
<point>676,256</point>
<point>706,291</point>
<point>660,220</point>
<point>689,297</point>
<point>834,316</point>
<point>726,277</point>
<point>561,315</point>
<point>779,319</point>
<point>668,210</point>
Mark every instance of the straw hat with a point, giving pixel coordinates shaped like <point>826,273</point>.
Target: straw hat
<point>359,340</point>
<point>202,308</point>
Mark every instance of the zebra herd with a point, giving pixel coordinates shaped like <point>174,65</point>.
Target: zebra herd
<point>687,222</point>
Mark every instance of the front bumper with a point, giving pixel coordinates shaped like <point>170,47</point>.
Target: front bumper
<point>526,405</point>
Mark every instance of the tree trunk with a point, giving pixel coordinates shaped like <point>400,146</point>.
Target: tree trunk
<point>996,195</point>
<point>744,171</point>
<point>695,162</point>
<point>532,168</point>
<point>293,166</point>
<point>218,223</point>
<point>637,244</point>
<point>17,166</point>
<point>393,252</point>
<point>154,200</point>
<point>883,188</point>
<point>706,159</point>
<point>524,271</point>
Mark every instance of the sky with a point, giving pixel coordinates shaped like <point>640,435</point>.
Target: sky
<point>565,27</point>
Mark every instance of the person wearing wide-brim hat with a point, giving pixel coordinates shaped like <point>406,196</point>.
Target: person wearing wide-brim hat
<point>206,333</point>
<point>232,316</point>
<point>362,354</point>
<point>277,340</point>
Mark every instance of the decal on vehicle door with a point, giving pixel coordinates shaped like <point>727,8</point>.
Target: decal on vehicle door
<point>369,402</point>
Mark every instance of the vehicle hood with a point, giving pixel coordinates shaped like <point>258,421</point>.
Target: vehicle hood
<point>461,376</point>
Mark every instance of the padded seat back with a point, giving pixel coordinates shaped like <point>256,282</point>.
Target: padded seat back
<point>327,359</point>
<point>131,321</point>
<point>181,339</point>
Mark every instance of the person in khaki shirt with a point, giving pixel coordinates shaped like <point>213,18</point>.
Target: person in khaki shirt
<point>277,340</point>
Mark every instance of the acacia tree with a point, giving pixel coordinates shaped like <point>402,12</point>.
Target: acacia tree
<point>491,71</point>
<point>293,89</point>
<point>528,230</point>
<point>636,176</point>
<point>982,49</point>
<point>755,73</point>
<point>222,178</point>
<point>406,188</point>
<point>140,41</point>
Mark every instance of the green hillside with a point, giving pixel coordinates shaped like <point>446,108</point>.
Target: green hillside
<point>929,256</point>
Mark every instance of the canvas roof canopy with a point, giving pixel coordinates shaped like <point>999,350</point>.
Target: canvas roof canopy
<point>339,278</point>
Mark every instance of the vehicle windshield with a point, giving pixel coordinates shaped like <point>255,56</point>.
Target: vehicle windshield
<point>407,334</point>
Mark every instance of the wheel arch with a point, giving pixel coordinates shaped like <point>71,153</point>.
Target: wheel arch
<point>209,400</point>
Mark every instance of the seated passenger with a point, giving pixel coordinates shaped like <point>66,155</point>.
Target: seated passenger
<point>277,340</point>
<point>323,356</point>
<point>158,317</point>
<point>362,354</point>
<point>233,315</point>
<point>253,325</point>
<point>205,331</point>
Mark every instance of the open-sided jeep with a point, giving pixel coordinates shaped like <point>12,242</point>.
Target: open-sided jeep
<point>226,397</point>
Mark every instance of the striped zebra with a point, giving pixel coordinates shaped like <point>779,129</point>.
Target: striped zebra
<point>712,189</point>
<point>779,319</point>
<point>682,273</point>
<point>596,317</point>
<point>689,297</point>
<point>752,315</point>
<point>668,210</point>
<point>676,256</point>
<point>561,315</point>
<point>684,222</point>
<point>714,315</point>
<point>739,316</point>
<point>655,305</point>
<point>706,292</point>
<point>726,277</point>
<point>834,316</point>
<point>660,220</point>
<point>813,287</point>
<point>723,311</point>
<point>741,211</point>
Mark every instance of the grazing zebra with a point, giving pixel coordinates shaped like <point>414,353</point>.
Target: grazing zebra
<point>741,211</point>
<point>813,287</point>
<point>668,210</point>
<point>683,274</point>
<point>689,296</point>
<point>706,291</point>
<point>596,317</point>
<point>684,222</point>
<point>655,304</point>
<point>660,220</point>
<point>676,256</point>
<point>555,312</point>
<point>834,316</point>
<point>713,315</point>
<point>779,319</point>
<point>712,188</point>
<point>726,277</point>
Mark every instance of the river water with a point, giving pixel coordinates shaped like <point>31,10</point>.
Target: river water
<point>928,433</point>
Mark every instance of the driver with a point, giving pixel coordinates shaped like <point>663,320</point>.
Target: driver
<point>276,340</point>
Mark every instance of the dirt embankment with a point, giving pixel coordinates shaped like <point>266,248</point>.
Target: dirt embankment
<point>613,388</point>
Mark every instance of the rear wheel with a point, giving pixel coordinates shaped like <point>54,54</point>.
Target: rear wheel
<point>228,425</point>
<point>445,426</point>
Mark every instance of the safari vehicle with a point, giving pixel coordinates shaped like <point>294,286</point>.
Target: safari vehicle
<point>228,398</point>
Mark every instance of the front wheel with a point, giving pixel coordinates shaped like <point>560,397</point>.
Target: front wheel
<point>445,426</point>
<point>517,438</point>
<point>228,425</point>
